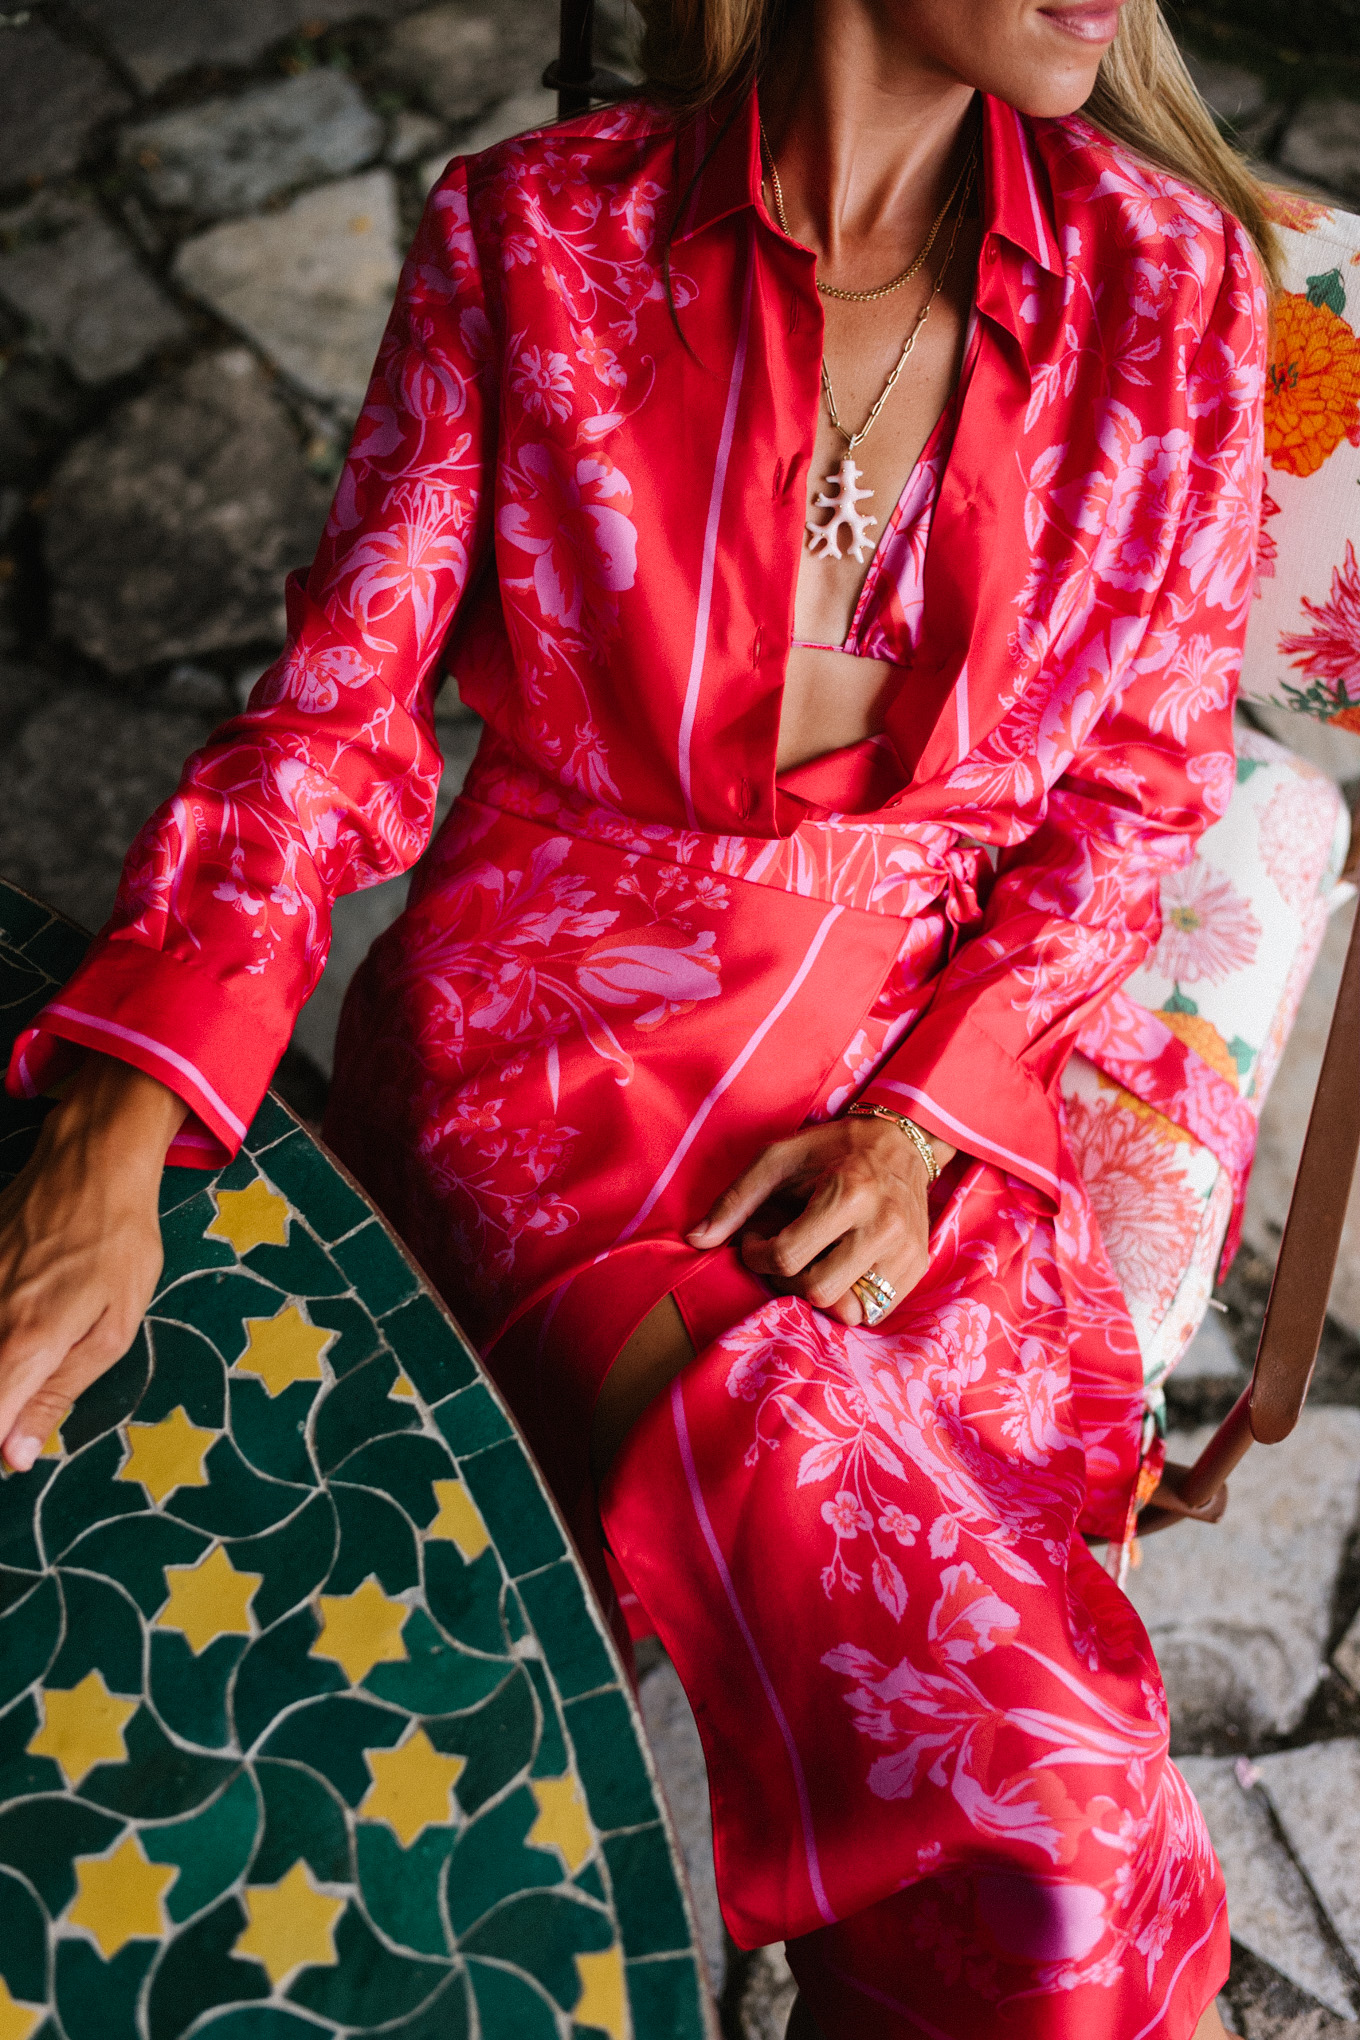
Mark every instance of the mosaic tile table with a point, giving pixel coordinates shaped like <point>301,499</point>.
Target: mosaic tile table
<point>307,1723</point>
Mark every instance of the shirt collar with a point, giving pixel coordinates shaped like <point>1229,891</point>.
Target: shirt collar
<point>1016,198</point>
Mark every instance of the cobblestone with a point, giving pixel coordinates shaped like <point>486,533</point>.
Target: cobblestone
<point>459,58</point>
<point>1322,142</point>
<point>230,155</point>
<point>1316,1794</point>
<point>157,38</point>
<point>169,532</point>
<point>1239,1612</point>
<point>79,285</point>
<point>311,284</point>
<point>51,97</point>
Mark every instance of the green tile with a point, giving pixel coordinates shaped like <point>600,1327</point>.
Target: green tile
<point>369,1984</point>
<point>56,947</point>
<point>497,1739</point>
<point>276,1672</point>
<point>182,1232</point>
<point>293,1560</point>
<point>257,2022</point>
<point>311,1182</point>
<point>514,1507</point>
<point>437,1677</point>
<point>590,1881</point>
<point>405,1469</point>
<point>40,1838</point>
<point>103,1632</point>
<point>359,1408</point>
<point>20,1494</point>
<point>492,1861</point>
<point>447,2016</point>
<point>510,2007</point>
<point>273,1122</point>
<point>303,1817</point>
<point>618,1789</point>
<point>188,1374</point>
<point>433,1354</point>
<point>179,1185</point>
<point>646,1892</point>
<point>237,1501</point>
<point>20,1773</point>
<point>112,1399</point>
<point>302,1267</point>
<point>271,1430</point>
<point>23,1945</point>
<point>217,1303</point>
<point>359,1337</point>
<point>551,1757</point>
<point>97,2000</point>
<point>189,1690</point>
<point>85,1490</point>
<point>198,1971</point>
<point>666,1998</point>
<point>135,1551</point>
<point>401,1886</point>
<point>564,1624</point>
<point>29,1633</point>
<point>375,1538</point>
<point>331,1736</point>
<point>472,1419</point>
<point>159,1779</point>
<point>21,918</point>
<point>543,1932</point>
<point>379,1271</point>
<point>464,1599</point>
<point>210,1850</point>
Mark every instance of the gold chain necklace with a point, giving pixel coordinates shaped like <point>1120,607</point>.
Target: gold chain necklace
<point>840,492</point>
<point>866,297</point>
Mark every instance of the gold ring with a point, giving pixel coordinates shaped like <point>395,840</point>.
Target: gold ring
<point>876,1296</point>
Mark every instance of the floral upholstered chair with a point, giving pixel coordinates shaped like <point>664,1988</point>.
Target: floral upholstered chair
<point>1163,1101</point>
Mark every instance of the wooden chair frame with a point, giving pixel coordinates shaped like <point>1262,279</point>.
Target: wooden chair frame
<point>1268,1408</point>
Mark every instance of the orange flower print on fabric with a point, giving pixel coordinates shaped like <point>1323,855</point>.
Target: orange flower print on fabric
<point>1288,209</point>
<point>1329,653</point>
<point>1313,386</point>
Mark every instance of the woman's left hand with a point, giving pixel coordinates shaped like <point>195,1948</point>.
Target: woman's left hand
<point>828,1206</point>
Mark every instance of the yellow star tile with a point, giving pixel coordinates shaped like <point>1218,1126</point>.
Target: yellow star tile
<point>292,1924</point>
<point>604,1997</point>
<point>284,1349</point>
<point>360,1630</point>
<point>18,2022</point>
<point>208,1600</point>
<point>459,1520</point>
<point>256,1217</point>
<point>167,1455</point>
<point>82,1727</point>
<point>562,1823</point>
<point>118,1897</point>
<point>412,1787</point>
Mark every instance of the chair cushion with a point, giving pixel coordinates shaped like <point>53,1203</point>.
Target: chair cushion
<point>1303,643</point>
<point>1242,924</point>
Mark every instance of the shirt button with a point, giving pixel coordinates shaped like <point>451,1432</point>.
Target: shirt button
<point>991,251</point>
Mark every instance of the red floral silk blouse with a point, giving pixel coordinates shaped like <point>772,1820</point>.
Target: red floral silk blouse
<point>611,519</point>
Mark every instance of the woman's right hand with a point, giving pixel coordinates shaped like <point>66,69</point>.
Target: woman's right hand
<point>80,1246</point>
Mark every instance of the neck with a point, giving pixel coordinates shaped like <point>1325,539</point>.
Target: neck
<point>867,133</point>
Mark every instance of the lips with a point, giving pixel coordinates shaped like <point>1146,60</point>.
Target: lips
<point>1096,23</point>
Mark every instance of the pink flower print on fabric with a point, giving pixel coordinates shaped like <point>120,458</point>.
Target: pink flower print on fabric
<point>1147,1213</point>
<point>541,379</point>
<point>671,969</point>
<point>1294,850</point>
<point>1208,928</point>
<point>1330,651</point>
<point>573,518</point>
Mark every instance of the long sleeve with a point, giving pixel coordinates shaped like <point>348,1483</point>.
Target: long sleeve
<point>327,783</point>
<point>1142,730</point>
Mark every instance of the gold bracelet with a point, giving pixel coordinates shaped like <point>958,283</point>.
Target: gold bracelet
<point>918,1137</point>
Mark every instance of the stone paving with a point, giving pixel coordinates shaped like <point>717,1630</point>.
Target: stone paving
<point>203,206</point>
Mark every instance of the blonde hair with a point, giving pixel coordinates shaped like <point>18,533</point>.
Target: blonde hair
<point>1144,97</point>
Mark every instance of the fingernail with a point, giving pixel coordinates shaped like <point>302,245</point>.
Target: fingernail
<point>21,1453</point>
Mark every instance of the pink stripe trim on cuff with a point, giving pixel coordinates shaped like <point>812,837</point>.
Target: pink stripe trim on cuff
<point>169,1056</point>
<point>969,1138</point>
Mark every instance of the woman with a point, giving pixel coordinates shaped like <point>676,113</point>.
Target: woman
<point>843,496</point>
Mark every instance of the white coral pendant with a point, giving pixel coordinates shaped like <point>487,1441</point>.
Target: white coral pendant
<point>840,495</point>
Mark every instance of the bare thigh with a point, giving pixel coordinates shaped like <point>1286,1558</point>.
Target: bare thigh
<point>649,1362</point>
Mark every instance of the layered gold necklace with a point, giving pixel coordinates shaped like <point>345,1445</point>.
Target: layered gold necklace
<point>840,491</point>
